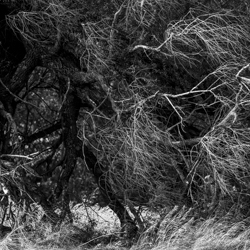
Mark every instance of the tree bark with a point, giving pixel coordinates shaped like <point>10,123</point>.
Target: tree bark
<point>69,117</point>
<point>127,224</point>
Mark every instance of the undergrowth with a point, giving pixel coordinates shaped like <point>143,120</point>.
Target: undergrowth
<point>176,229</point>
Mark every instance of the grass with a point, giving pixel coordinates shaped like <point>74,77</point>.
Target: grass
<point>182,231</point>
<point>177,229</point>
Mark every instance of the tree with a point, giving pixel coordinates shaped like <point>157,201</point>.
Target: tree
<point>151,95</point>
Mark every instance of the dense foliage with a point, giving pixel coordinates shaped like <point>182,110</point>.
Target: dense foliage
<point>146,100</point>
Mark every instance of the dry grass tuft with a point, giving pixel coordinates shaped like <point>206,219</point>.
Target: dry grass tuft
<point>180,231</point>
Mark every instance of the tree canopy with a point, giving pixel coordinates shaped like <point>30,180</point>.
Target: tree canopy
<point>146,100</point>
